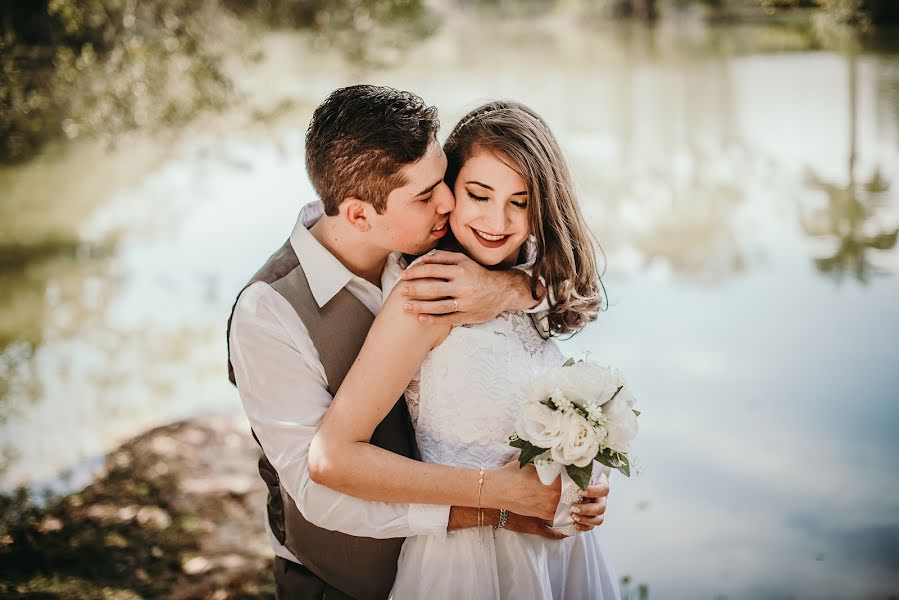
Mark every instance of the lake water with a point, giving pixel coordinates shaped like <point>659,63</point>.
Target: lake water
<point>741,180</point>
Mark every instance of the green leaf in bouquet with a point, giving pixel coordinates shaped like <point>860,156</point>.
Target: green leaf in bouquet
<point>519,443</point>
<point>580,475</point>
<point>568,362</point>
<point>614,460</point>
<point>528,453</point>
<point>625,466</point>
<point>636,412</point>
<point>549,403</point>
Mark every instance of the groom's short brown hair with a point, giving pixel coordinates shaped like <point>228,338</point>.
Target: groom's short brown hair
<point>359,140</point>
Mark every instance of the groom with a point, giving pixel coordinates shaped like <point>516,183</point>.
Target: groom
<point>295,329</point>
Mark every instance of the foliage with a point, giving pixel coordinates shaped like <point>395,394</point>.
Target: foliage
<point>106,67</point>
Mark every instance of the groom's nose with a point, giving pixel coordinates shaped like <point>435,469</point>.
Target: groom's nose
<point>445,202</point>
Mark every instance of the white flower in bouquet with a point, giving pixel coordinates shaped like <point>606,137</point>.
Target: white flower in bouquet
<point>582,382</point>
<point>541,424</point>
<point>578,445</point>
<point>575,414</point>
<point>621,421</point>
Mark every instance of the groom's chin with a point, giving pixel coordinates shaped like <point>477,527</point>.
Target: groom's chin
<point>422,248</point>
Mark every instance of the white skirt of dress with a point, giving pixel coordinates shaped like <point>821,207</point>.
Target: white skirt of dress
<point>506,566</point>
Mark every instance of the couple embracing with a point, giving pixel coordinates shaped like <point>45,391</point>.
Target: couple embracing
<point>382,355</point>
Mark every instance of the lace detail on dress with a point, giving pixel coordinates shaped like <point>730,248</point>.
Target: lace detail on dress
<point>412,399</point>
<point>465,399</point>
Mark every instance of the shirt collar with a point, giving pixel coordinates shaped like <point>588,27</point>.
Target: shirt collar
<point>326,275</point>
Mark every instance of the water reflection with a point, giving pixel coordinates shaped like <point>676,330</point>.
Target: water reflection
<point>714,163</point>
<point>103,69</point>
<point>851,219</point>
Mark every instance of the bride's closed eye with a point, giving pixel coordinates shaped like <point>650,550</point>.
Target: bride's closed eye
<point>476,198</point>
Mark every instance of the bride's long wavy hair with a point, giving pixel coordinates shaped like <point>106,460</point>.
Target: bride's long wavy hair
<point>565,253</point>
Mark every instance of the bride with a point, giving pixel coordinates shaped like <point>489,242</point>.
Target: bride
<point>515,205</point>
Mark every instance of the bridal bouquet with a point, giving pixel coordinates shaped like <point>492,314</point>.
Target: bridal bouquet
<point>575,414</point>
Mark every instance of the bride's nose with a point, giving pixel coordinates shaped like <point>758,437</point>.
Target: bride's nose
<point>496,217</point>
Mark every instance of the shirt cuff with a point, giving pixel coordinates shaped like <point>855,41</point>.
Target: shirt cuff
<point>429,519</point>
<point>543,306</point>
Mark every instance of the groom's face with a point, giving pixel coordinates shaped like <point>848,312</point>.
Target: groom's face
<point>417,213</point>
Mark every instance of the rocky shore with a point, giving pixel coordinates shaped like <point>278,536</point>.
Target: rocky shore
<point>176,513</point>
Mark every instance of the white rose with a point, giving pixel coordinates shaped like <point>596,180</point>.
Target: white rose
<point>583,383</point>
<point>539,425</point>
<point>604,382</point>
<point>622,422</point>
<point>578,444</point>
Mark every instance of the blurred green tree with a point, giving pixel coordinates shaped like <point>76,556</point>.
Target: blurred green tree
<point>851,214</point>
<point>104,67</point>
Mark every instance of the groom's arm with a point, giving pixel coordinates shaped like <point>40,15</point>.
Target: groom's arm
<point>432,284</point>
<point>283,389</point>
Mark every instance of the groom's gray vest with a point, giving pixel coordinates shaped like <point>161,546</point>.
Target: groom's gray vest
<point>364,568</point>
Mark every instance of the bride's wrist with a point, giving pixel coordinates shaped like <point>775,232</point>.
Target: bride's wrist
<point>491,496</point>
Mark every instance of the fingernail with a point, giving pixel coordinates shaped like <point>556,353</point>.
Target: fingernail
<point>407,307</point>
<point>576,510</point>
<point>576,518</point>
<point>404,290</point>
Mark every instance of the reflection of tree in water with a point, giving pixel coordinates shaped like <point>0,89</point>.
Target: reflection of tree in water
<point>888,85</point>
<point>107,67</point>
<point>681,186</point>
<point>696,235</point>
<point>369,33</point>
<point>848,217</point>
<point>851,213</point>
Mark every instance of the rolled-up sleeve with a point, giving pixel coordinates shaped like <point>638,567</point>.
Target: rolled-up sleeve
<point>284,393</point>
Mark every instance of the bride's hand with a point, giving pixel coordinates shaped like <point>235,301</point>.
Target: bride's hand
<point>520,491</point>
<point>590,512</point>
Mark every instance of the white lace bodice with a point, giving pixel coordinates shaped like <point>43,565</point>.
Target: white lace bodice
<point>466,397</point>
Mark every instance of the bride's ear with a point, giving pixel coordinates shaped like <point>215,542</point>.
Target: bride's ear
<point>357,213</point>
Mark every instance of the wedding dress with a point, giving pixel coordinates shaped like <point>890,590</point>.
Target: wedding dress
<point>464,402</point>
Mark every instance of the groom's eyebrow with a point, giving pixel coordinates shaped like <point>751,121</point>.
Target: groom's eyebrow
<point>484,185</point>
<point>428,190</point>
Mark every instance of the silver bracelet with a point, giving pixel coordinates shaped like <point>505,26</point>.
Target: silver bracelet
<point>503,517</point>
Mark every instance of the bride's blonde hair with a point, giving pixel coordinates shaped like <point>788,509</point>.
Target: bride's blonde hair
<point>565,252</point>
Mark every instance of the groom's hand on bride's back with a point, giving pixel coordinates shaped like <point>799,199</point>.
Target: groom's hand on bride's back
<point>449,287</point>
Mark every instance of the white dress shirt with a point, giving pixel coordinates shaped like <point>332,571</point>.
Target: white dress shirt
<point>284,391</point>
